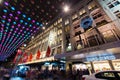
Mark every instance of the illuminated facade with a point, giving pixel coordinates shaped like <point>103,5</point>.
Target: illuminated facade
<point>88,34</point>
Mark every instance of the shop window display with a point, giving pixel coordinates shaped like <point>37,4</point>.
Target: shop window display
<point>101,66</point>
<point>116,64</point>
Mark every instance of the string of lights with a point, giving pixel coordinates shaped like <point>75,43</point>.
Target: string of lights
<point>16,28</point>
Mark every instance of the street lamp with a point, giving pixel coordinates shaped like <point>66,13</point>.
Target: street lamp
<point>66,8</point>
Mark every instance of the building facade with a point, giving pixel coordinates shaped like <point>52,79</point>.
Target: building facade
<point>89,33</point>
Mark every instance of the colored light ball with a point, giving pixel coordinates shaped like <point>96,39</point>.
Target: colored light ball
<point>21,21</point>
<point>16,18</point>
<point>24,15</point>
<point>13,8</point>
<point>11,15</point>
<point>14,23</point>
<point>29,19</point>
<point>19,25</point>
<point>4,16</point>
<point>5,11</point>
<point>33,21</point>
<point>6,3</point>
<point>18,12</point>
<point>9,20</point>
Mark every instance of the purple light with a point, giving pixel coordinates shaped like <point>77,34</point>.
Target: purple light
<point>16,28</point>
<point>9,20</point>
<point>37,28</point>
<point>34,27</point>
<point>4,16</point>
<point>16,18</point>
<point>6,3</point>
<point>12,26</point>
<point>19,25</point>
<point>11,14</point>
<point>23,27</point>
<point>33,21</point>
<point>27,29</point>
<point>18,12</point>
<point>34,31</point>
<point>20,30</point>
<point>2,25</point>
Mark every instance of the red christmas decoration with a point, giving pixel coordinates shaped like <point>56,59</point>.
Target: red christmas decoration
<point>38,54</point>
<point>30,57</point>
<point>48,52</point>
<point>18,53</point>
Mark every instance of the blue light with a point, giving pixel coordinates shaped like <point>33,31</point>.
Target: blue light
<point>21,21</point>
<point>47,63</point>
<point>24,15</point>
<point>14,22</point>
<point>30,25</point>
<point>37,23</point>
<point>13,8</point>
<point>8,24</point>
<point>26,23</point>
<point>3,21</point>
<point>5,11</point>
<point>29,19</point>
<point>41,25</point>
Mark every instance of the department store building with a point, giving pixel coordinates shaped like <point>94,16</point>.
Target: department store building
<point>88,36</point>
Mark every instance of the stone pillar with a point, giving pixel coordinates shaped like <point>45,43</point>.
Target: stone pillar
<point>93,70</point>
<point>111,65</point>
<point>63,37</point>
<point>72,34</point>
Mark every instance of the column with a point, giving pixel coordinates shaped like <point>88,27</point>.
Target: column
<point>63,37</point>
<point>71,34</point>
<point>111,65</point>
<point>92,67</point>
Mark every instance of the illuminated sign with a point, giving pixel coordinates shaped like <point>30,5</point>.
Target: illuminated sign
<point>86,22</point>
<point>100,57</point>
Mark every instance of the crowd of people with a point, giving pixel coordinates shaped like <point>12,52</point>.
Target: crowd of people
<point>46,74</point>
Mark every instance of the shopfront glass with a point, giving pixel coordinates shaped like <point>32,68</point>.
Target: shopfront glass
<point>116,64</point>
<point>101,66</point>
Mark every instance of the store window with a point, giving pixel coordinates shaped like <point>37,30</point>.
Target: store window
<point>109,36</point>
<point>101,66</point>
<point>53,52</point>
<point>111,6</point>
<point>67,28</point>
<point>74,16</point>
<point>59,50</point>
<point>118,15</point>
<point>116,64</point>
<point>116,3</point>
<point>82,12</point>
<point>92,6</point>
<point>67,22</point>
<point>92,41</point>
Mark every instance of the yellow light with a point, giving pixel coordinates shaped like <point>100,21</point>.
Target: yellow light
<point>43,28</point>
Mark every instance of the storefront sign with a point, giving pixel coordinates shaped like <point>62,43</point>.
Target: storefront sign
<point>100,57</point>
